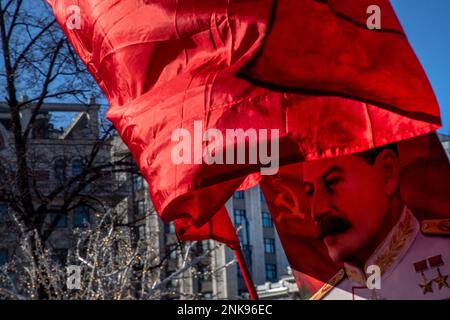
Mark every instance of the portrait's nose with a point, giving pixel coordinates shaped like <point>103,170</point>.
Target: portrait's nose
<point>320,205</point>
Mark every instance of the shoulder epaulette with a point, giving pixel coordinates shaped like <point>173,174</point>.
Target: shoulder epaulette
<point>437,227</point>
<point>334,281</point>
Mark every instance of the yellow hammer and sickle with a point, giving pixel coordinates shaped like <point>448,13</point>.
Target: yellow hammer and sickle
<point>293,208</point>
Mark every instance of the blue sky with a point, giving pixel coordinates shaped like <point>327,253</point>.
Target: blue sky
<point>427,25</point>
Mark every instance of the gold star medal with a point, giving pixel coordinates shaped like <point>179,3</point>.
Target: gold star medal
<point>441,280</point>
<point>425,284</point>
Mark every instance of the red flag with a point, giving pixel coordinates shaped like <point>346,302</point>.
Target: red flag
<point>326,48</point>
<point>327,84</point>
<point>424,183</point>
<point>219,228</point>
<point>425,177</point>
<point>288,205</point>
<point>165,65</point>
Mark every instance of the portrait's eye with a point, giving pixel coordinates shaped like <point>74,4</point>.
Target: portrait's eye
<point>331,183</point>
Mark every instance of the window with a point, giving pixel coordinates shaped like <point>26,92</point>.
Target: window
<point>239,195</point>
<point>141,232</point>
<point>271,272</point>
<point>62,223</point>
<point>267,220</point>
<point>140,207</point>
<point>261,195</point>
<point>205,245</point>
<point>81,216</point>
<point>77,167</point>
<point>173,283</point>
<point>60,170</point>
<point>239,217</point>
<point>173,254</point>
<point>269,245</point>
<point>138,182</point>
<point>3,256</point>
<point>169,227</point>
<point>3,209</point>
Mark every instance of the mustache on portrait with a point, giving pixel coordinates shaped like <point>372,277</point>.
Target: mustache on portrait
<point>330,225</point>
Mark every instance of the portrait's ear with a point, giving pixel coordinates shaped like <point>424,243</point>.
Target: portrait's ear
<point>387,162</point>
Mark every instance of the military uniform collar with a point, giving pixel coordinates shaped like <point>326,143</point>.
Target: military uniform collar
<point>390,252</point>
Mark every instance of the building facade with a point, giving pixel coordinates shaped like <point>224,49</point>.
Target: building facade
<point>55,155</point>
<point>260,243</point>
<point>445,140</point>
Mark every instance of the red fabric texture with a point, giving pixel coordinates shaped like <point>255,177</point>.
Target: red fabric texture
<point>307,68</point>
<point>219,228</point>
<point>334,53</point>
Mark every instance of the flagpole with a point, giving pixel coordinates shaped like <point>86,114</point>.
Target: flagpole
<point>246,274</point>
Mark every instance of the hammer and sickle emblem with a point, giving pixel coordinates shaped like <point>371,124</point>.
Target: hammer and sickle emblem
<point>293,208</point>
